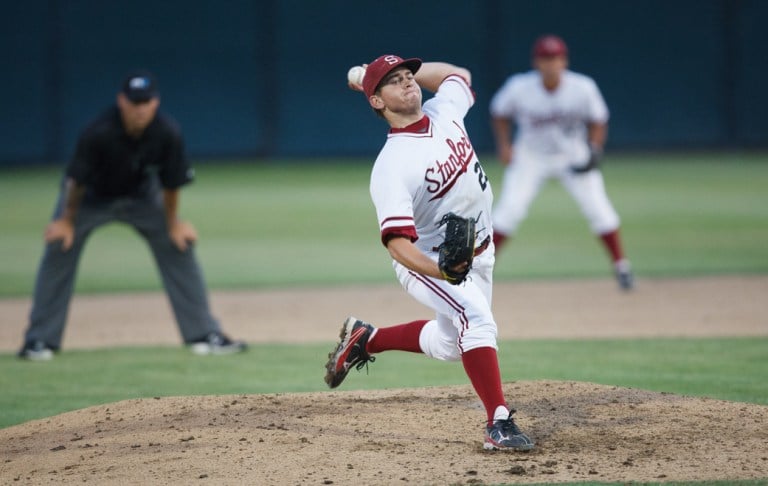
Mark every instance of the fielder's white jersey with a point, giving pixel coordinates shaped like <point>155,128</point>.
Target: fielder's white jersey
<point>552,123</point>
<point>429,169</point>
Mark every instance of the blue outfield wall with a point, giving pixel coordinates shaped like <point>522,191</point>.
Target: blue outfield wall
<point>267,78</point>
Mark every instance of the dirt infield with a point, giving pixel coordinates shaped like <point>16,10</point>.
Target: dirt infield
<point>411,436</point>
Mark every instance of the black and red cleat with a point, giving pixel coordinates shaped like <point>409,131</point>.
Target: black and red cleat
<point>349,352</point>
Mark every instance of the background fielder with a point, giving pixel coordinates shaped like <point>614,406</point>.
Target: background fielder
<point>561,121</point>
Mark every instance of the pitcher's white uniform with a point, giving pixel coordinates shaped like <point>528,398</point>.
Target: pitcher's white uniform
<point>426,170</point>
<point>423,172</point>
<point>550,139</point>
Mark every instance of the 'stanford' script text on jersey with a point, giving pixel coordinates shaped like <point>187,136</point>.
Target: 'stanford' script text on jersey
<point>441,177</point>
<point>429,169</point>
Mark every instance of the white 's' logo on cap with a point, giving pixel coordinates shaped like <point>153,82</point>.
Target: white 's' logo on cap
<point>138,83</point>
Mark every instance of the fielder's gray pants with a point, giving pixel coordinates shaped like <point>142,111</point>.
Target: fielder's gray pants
<point>180,272</point>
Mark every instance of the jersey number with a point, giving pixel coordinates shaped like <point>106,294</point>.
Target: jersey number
<point>481,177</point>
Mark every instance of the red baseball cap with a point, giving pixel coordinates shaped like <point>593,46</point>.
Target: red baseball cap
<point>378,69</point>
<point>549,46</point>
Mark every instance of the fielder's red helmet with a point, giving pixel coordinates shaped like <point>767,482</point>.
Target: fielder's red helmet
<point>549,46</point>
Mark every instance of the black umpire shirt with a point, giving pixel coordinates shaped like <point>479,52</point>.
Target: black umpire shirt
<point>112,164</point>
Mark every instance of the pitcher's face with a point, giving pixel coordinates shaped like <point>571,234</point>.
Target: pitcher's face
<point>399,92</point>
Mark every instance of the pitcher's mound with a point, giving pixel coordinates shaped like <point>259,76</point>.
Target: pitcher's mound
<point>408,436</point>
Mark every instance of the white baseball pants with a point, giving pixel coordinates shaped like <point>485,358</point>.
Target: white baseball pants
<point>524,178</point>
<point>463,318</point>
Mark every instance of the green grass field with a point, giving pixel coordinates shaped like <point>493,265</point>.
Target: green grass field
<point>287,223</point>
<point>292,223</point>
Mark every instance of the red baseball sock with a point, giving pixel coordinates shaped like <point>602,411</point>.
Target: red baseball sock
<point>403,337</point>
<point>498,239</point>
<point>612,243</point>
<point>482,367</point>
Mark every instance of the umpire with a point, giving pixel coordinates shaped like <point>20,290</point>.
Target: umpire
<point>128,166</point>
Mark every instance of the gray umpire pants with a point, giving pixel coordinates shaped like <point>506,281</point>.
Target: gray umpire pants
<point>181,275</point>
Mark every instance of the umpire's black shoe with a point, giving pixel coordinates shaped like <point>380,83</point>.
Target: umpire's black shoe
<point>217,343</point>
<point>36,351</point>
<point>349,352</point>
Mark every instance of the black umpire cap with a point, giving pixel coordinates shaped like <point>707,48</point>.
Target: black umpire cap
<point>140,86</point>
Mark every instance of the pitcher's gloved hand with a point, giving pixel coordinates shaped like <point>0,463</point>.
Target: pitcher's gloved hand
<point>457,251</point>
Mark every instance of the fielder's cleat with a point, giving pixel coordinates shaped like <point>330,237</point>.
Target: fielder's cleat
<point>624,277</point>
<point>505,435</point>
<point>36,351</point>
<point>218,344</point>
<point>349,352</point>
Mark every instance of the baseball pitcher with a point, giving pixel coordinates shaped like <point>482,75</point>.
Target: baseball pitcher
<point>433,203</point>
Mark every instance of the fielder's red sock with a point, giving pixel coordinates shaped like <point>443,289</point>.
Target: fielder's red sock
<point>482,367</point>
<point>612,243</point>
<point>404,337</point>
<point>498,239</point>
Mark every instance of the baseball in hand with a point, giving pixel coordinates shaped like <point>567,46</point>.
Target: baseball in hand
<point>355,75</point>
